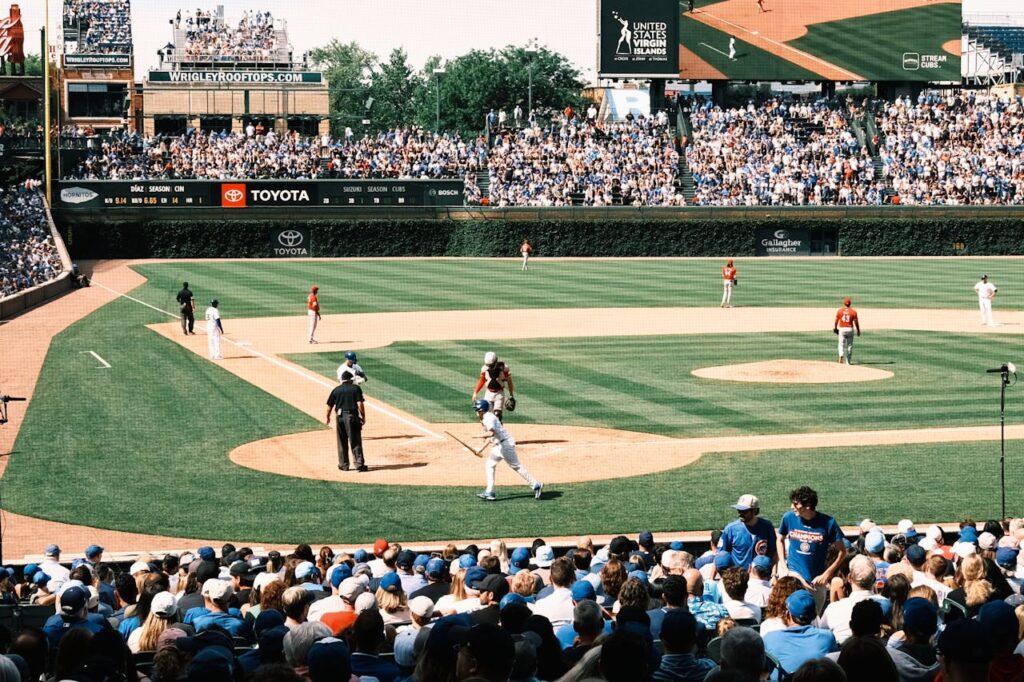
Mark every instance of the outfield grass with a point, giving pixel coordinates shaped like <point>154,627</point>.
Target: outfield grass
<point>873,46</point>
<point>142,446</point>
<point>751,61</point>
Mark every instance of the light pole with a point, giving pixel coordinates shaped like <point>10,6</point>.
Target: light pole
<point>531,51</point>
<point>438,72</point>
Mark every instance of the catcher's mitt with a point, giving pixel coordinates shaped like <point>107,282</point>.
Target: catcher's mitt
<point>510,404</point>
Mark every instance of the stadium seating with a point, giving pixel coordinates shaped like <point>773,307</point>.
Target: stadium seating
<point>29,256</point>
<point>104,26</point>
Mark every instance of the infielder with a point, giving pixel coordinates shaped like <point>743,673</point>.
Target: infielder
<point>494,376</point>
<point>504,449</point>
<point>350,365</point>
<point>313,311</point>
<point>525,250</point>
<point>214,330</point>
<point>846,321</point>
<point>986,292</point>
<point>728,282</point>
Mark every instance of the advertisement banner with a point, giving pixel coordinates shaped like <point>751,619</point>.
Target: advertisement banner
<point>291,242</point>
<point>116,61</point>
<point>639,38</point>
<point>782,242</point>
<point>247,194</point>
<point>227,76</point>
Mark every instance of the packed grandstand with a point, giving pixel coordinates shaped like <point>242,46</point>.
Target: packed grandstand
<point>30,256</point>
<point>905,607</point>
<point>960,148</point>
<point>104,26</point>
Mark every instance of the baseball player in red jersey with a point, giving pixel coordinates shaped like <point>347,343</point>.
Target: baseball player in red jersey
<point>760,6</point>
<point>313,310</point>
<point>728,282</point>
<point>526,250</point>
<point>846,321</point>
<point>494,376</point>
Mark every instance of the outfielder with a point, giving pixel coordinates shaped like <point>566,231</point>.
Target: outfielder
<point>986,292</point>
<point>494,376</point>
<point>846,321</point>
<point>350,365</point>
<point>526,250</point>
<point>313,311</point>
<point>214,330</point>
<point>728,282</point>
<point>504,449</point>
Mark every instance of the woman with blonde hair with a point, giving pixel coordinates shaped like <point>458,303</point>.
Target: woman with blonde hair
<point>391,600</point>
<point>163,611</point>
<point>974,590</point>
<point>499,550</point>
<point>524,583</point>
<point>446,604</point>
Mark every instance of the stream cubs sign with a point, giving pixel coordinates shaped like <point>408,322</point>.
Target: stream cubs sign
<point>639,38</point>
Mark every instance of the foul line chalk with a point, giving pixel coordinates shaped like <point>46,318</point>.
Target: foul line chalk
<point>316,379</point>
<point>715,49</point>
<point>106,365</point>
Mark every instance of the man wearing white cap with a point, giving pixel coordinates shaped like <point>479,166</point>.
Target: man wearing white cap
<point>217,594</point>
<point>749,535</point>
<point>986,292</point>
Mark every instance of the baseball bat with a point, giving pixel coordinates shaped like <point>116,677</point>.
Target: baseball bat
<point>464,444</point>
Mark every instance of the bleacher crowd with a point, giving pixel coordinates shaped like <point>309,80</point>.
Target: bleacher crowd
<point>29,256</point>
<point>794,601</point>
<point>106,25</point>
<point>209,37</point>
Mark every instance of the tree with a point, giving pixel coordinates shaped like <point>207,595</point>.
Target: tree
<point>33,65</point>
<point>396,90</point>
<point>349,72</point>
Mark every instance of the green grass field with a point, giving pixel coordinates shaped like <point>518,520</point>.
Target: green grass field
<point>873,46</point>
<point>712,46</point>
<point>143,446</point>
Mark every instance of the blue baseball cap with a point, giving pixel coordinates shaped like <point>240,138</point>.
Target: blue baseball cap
<point>360,556</point>
<point>520,560</point>
<point>40,578</point>
<point>206,553</point>
<point>639,575</point>
<point>762,562</point>
<point>723,560</point>
<point>1007,557</point>
<point>474,575</point>
<point>582,589</point>
<point>920,616</point>
<point>511,598</point>
<point>391,583</point>
<point>52,550</point>
<point>340,572</point>
<point>467,561</point>
<point>30,570</point>
<point>676,546</point>
<point>92,551</point>
<point>801,605</point>
<point>646,539</point>
<point>435,568</point>
<point>421,561</point>
<point>969,534</point>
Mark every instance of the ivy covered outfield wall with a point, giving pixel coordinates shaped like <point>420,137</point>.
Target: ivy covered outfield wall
<point>94,235</point>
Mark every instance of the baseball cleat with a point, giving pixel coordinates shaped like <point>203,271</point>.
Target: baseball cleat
<point>486,496</point>
<point>537,490</point>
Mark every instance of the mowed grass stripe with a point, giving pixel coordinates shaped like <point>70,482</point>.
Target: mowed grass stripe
<point>457,284</point>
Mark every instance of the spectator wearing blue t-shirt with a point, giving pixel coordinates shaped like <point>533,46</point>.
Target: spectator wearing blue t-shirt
<point>805,535</point>
<point>800,641</point>
<point>749,535</point>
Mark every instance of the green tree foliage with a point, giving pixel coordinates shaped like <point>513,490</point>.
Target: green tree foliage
<point>33,65</point>
<point>396,89</point>
<point>349,72</point>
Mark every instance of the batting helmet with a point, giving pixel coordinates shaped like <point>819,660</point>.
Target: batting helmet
<point>215,303</point>
<point>490,358</point>
<point>350,356</point>
<point>481,406</point>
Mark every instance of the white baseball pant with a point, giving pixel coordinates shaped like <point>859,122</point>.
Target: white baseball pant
<point>726,291</point>
<point>985,305</point>
<point>506,451</point>
<point>846,343</point>
<point>312,323</point>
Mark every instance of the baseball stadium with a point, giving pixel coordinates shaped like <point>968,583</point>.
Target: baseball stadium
<point>313,354</point>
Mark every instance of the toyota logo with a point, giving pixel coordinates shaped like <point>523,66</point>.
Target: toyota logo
<point>234,195</point>
<point>781,234</point>
<point>290,238</point>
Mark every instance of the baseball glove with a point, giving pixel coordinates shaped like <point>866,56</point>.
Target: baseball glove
<point>835,331</point>
<point>510,404</point>
<point>735,282</point>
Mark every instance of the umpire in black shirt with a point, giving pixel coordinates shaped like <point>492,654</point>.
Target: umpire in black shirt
<point>187,306</point>
<point>347,401</point>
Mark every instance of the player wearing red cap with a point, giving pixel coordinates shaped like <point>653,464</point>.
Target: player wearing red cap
<point>846,321</point>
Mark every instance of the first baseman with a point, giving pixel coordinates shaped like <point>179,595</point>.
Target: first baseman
<point>313,311</point>
<point>846,321</point>
<point>986,292</point>
<point>214,330</point>
<point>494,376</point>
<point>504,449</point>
<point>728,282</point>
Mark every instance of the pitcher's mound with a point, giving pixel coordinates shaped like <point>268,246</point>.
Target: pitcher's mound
<point>793,372</point>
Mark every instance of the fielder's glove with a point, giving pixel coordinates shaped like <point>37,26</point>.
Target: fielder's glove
<point>735,282</point>
<point>835,331</point>
<point>510,404</point>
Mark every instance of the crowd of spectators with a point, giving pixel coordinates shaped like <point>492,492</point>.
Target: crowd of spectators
<point>410,153</point>
<point>580,161</point>
<point>963,148</point>
<point>779,154</point>
<point>29,256</point>
<point>765,600</point>
<point>105,25</point>
<point>210,37</point>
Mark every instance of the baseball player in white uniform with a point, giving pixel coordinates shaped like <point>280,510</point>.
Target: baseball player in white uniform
<point>214,330</point>
<point>350,365</point>
<point>504,449</point>
<point>494,376</point>
<point>986,292</point>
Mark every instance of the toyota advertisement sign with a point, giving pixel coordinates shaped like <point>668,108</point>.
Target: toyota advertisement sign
<point>291,242</point>
<point>256,194</point>
<point>774,241</point>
